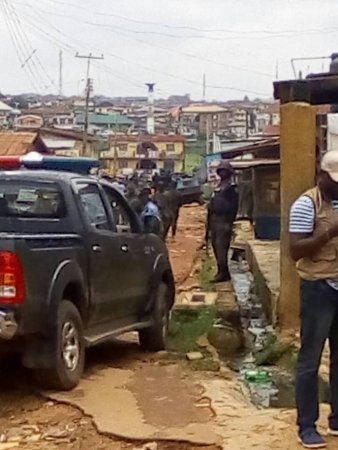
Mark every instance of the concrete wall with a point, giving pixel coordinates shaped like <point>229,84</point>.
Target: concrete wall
<point>298,140</point>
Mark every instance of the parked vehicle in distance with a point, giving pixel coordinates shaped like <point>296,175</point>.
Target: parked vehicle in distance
<point>76,269</point>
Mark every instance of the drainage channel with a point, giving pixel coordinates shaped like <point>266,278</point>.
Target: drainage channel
<point>267,386</point>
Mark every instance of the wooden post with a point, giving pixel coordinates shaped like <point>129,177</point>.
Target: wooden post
<point>298,156</point>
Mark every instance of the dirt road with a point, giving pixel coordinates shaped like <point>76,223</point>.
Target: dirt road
<point>162,395</point>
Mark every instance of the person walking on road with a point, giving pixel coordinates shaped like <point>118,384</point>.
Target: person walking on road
<point>174,201</point>
<point>313,231</point>
<point>222,212</point>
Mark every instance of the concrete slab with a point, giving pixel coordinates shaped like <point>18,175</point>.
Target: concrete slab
<point>264,262</point>
<point>195,299</point>
<point>148,403</point>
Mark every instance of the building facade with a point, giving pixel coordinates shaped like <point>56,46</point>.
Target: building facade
<point>128,153</point>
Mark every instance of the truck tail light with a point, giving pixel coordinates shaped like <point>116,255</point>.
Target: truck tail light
<point>12,282</point>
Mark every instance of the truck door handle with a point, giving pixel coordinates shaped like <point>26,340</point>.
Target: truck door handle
<point>124,248</point>
<point>96,248</point>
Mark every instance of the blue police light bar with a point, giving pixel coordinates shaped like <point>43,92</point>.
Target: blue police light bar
<point>35,160</point>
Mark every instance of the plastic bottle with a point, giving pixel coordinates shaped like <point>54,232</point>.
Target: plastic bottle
<point>257,376</point>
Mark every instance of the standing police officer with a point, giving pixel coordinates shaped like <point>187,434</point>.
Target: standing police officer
<point>222,212</point>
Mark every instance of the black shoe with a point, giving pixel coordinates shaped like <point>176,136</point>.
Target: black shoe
<point>222,278</point>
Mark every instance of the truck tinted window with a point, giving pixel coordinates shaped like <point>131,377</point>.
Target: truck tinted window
<point>93,206</point>
<point>35,200</point>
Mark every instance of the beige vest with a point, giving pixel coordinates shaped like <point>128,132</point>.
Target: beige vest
<point>323,264</point>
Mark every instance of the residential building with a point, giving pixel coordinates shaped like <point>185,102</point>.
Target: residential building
<point>60,116</point>
<point>128,153</point>
<point>108,107</point>
<point>64,120</point>
<point>13,143</point>
<point>68,142</point>
<point>5,113</point>
<point>203,119</point>
<point>29,122</point>
<point>100,122</point>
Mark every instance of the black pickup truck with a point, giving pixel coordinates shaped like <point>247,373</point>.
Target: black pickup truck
<point>76,269</point>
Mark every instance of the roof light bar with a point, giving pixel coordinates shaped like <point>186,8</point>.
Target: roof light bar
<point>35,160</point>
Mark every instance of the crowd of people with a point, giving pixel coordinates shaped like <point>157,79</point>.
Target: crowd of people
<point>156,201</point>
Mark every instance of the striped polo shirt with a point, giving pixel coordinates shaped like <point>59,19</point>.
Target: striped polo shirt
<point>302,220</point>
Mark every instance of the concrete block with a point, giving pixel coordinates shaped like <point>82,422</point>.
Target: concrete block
<point>194,356</point>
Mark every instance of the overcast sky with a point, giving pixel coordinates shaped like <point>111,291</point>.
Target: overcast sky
<point>240,45</point>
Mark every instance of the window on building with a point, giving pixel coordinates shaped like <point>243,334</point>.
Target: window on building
<point>123,147</point>
<point>123,164</point>
<point>170,147</point>
<point>214,117</point>
<point>62,121</point>
<point>169,164</point>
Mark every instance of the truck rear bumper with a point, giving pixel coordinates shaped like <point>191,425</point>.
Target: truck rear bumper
<point>8,325</point>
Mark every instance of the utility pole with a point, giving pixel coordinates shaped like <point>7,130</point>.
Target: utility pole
<point>207,135</point>
<point>204,86</point>
<point>89,86</point>
<point>247,116</point>
<point>60,73</point>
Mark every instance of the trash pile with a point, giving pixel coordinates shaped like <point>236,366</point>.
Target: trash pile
<point>259,381</point>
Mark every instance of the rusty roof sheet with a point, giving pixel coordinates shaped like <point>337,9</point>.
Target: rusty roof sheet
<point>16,143</point>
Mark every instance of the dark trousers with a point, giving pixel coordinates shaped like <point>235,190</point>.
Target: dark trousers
<point>174,221</point>
<point>319,321</point>
<point>221,238</point>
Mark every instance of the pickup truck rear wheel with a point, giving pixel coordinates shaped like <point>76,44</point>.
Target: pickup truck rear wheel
<point>154,338</point>
<point>69,350</point>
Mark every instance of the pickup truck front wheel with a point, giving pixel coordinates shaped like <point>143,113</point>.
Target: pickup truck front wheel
<point>154,338</point>
<point>69,351</point>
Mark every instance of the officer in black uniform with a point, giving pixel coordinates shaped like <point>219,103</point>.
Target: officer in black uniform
<point>134,199</point>
<point>162,201</point>
<point>175,202</point>
<point>222,212</point>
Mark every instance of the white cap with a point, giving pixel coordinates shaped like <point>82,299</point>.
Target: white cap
<point>329,164</point>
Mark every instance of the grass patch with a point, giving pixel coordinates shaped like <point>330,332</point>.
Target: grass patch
<point>192,160</point>
<point>186,326</point>
<point>194,152</point>
<point>207,273</point>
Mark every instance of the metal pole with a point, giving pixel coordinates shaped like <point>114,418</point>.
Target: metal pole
<point>204,87</point>
<point>246,124</point>
<point>88,89</point>
<point>60,73</point>
<point>207,135</point>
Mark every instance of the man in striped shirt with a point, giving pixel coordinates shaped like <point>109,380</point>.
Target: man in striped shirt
<point>314,245</point>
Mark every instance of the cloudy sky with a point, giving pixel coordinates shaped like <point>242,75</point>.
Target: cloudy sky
<point>241,45</point>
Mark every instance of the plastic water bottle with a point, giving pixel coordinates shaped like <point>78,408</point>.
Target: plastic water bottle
<point>257,376</point>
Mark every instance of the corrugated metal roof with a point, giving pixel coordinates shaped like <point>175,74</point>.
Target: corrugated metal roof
<point>149,138</point>
<point>55,144</point>
<point>4,107</point>
<point>16,143</point>
<point>105,119</point>
<point>206,109</point>
<point>247,164</point>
